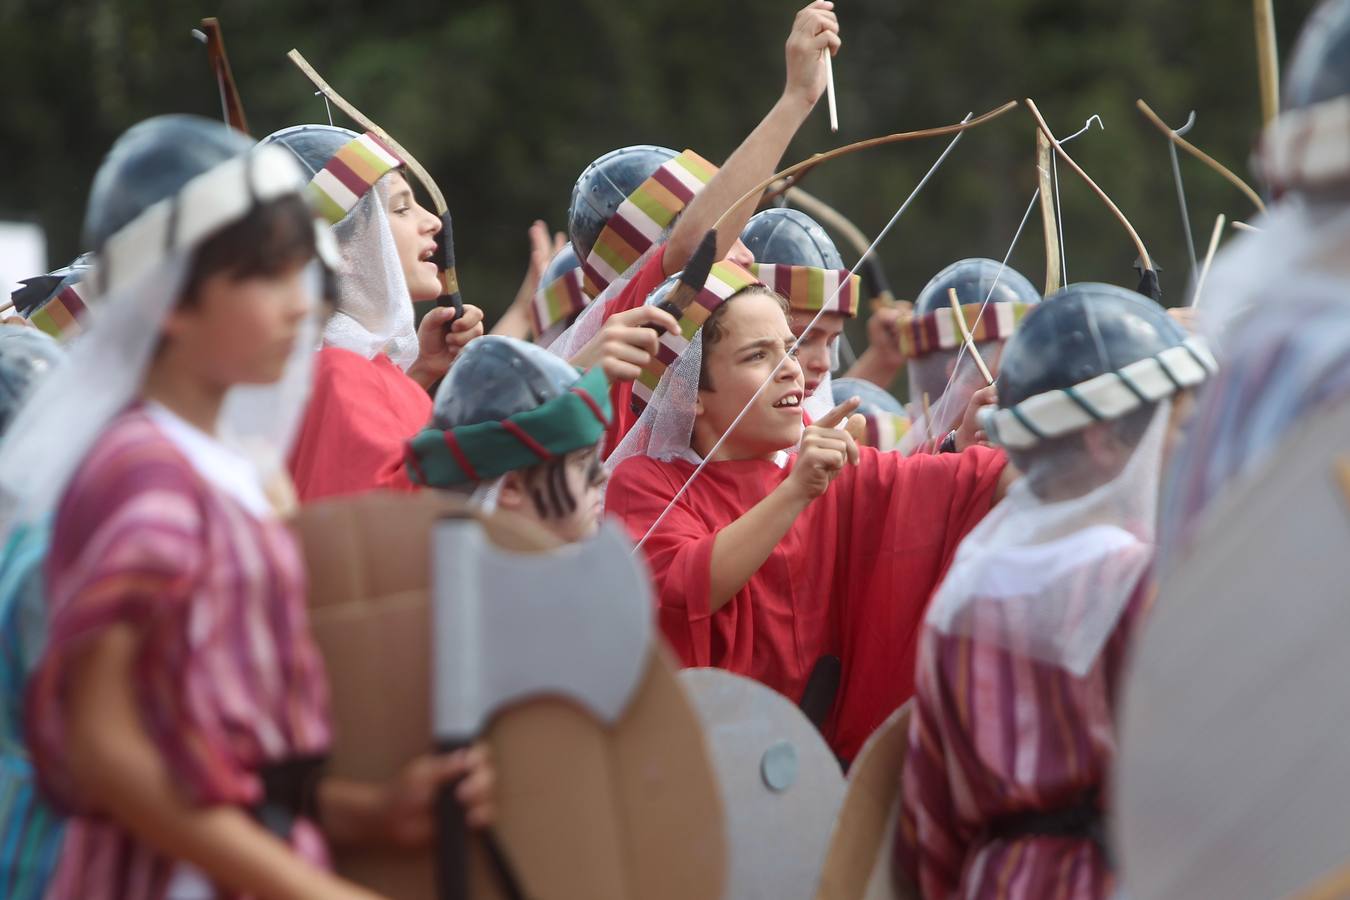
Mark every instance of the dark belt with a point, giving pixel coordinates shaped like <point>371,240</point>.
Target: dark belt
<point>290,792</point>
<point>1082,820</point>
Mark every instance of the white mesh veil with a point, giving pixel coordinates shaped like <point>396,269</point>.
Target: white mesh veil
<point>1050,579</point>
<point>102,375</point>
<point>666,426</point>
<point>374,311</point>
<point>947,410</point>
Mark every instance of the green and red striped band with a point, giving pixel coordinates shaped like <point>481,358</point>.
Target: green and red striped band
<point>640,220</point>
<point>809,289</point>
<point>352,171</point>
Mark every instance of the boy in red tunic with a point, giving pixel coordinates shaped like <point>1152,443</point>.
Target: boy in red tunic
<point>773,558</point>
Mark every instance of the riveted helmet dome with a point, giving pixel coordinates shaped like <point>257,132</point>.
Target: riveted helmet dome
<point>312,145</point>
<point>789,237</point>
<point>26,354</point>
<point>1319,69</point>
<point>875,399</point>
<point>498,377</point>
<point>1078,333</point>
<point>603,187</point>
<point>151,161</point>
<point>973,280</point>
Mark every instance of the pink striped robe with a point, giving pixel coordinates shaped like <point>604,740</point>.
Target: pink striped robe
<point>995,733</point>
<point>228,676</point>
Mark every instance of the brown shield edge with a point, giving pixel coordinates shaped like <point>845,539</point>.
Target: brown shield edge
<point>859,863</point>
<point>583,810</point>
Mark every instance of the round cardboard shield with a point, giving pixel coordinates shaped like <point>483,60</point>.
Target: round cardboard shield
<point>781,785</point>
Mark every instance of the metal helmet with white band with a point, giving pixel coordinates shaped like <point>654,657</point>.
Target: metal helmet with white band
<point>1090,353</point>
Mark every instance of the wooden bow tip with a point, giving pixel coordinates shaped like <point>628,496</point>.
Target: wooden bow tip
<point>437,198</point>
<point>1101,194</point>
<point>1228,174</point>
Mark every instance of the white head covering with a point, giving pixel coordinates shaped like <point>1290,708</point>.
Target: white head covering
<point>1049,579</point>
<point>374,312</point>
<point>140,276</point>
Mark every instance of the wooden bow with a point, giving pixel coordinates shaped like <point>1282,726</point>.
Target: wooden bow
<point>437,198</point>
<point>1144,258</point>
<point>231,105</point>
<point>847,149</point>
<point>1267,59</point>
<point>1201,155</point>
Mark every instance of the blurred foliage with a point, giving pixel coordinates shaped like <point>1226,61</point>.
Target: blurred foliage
<point>506,101</point>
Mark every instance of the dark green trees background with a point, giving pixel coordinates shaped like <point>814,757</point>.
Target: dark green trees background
<point>506,101</point>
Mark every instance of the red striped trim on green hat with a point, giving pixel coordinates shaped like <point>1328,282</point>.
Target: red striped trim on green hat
<point>938,332</point>
<point>639,221</point>
<point>808,288</point>
<point>725,279</point>
<point>357,165</point>
<point>574,420</point>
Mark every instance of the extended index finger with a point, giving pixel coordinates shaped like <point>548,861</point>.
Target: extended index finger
<point>838,414</point>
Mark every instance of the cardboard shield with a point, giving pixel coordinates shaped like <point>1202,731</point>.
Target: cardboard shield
<point>860,862</point>
<point>781,785</point>
<point>1233,778</point>
<point>622,809</point>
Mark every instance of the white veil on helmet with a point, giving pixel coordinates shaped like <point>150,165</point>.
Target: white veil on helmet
<point>374,308</point>
<point>374,311</point>
<point>141,272</point>
<point>1049,579</point>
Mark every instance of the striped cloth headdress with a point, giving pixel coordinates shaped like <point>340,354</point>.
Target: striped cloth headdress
<point>938,332</point>
<point>725,279</point>
<point>808,288</point>
<point>56,303</point>
<point>558,302</point>
<point>352,171</point>
<point>885,429</point>
<point>639,221</point>
<point>61,316</point>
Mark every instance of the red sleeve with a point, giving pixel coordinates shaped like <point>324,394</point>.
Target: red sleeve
<point>679,553</point>
<point>361,413</point>
<point>633,295</point>
<point>904,518</point>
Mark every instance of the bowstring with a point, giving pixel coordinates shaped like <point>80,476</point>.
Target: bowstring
<point>825,307</point>
<point>1036,195</point>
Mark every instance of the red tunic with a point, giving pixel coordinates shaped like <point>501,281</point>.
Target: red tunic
<point>360,414</point>
<point>852,576</point>
<point>633,295</point>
